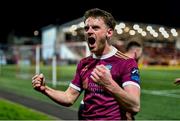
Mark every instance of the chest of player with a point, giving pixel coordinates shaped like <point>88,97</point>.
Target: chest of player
<point>89,84</point>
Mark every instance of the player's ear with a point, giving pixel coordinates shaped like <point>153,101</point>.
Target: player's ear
<point>109,32</point>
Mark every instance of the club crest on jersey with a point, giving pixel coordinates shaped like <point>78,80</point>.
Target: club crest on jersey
<point>135,75</point>
<point>108,66</point>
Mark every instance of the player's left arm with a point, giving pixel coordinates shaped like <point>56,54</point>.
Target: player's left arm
<point>134,98</point>
<point>128,98</point>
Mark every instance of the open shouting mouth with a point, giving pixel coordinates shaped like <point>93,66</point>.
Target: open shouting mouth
<point>91,41</point>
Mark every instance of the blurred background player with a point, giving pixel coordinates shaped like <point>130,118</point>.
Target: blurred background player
<point>134,50</point>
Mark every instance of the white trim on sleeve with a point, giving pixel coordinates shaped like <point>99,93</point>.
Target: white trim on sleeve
<point>75,87</point>
<point>130,83</point>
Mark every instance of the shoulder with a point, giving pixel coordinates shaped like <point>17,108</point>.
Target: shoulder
<point>121,55</point>
<point>124,59</point>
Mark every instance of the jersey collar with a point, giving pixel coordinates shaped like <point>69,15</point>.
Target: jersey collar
<point>108,55</point>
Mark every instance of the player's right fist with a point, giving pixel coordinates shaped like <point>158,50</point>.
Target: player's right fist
<point>38,82</point>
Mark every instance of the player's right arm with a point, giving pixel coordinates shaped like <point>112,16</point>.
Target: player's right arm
<point>65,98</point>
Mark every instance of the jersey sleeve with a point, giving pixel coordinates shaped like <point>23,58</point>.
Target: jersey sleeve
<point>131,74</point>
<point>76,82</point>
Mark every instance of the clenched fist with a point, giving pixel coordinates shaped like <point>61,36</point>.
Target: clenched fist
<point>101,75</point>
<point>38,82</point>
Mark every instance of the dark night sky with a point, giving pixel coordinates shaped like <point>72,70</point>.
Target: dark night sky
<point>23,18</point>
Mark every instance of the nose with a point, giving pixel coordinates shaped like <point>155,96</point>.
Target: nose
<point>89,31</point>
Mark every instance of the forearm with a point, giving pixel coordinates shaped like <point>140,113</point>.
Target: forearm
<point>128,101</point>
<point>66,98</point>
<point>58,96</point>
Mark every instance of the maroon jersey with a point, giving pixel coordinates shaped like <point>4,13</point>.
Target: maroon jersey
<point>99,104</point>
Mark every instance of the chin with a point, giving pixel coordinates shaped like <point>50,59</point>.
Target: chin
<point>92,51</point>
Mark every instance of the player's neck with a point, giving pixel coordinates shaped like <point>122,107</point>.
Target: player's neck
<point>107,49</point>
<point>109,52</point>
